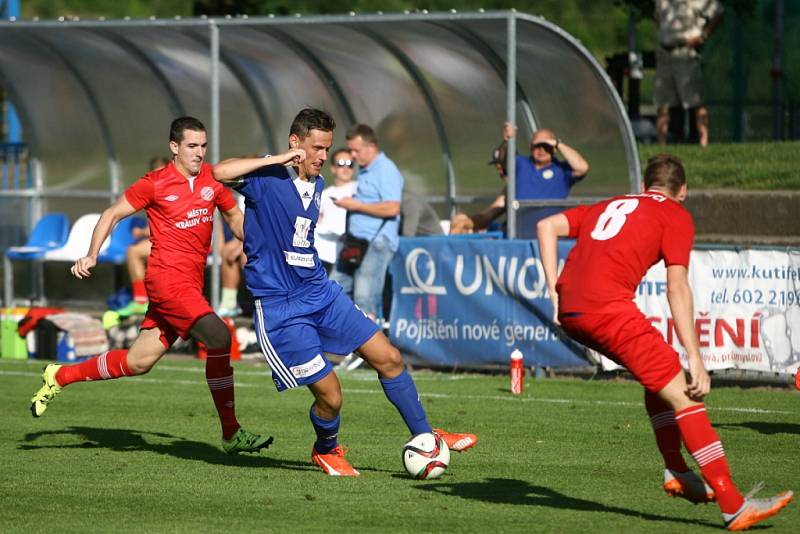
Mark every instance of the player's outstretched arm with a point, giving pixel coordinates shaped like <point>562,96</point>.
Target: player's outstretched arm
<point>548,231</point>
<point>232,169</point>
<point>110,217</point>
<point>681,304</point>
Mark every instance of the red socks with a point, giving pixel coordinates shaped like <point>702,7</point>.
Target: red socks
<point>219,376</point>
<point>668,437</point>
<point>703,443</point>
<point>106,366</point>
<point>139,291</point>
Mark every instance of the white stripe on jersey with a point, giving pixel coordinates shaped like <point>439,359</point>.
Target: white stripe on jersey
<point>268,350</point>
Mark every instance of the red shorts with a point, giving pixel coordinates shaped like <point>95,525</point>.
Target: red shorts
<point>174,309</point>
<point>630,340</point>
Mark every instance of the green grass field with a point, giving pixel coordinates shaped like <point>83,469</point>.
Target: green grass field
<point>569,455</point>
<point>748,166</point>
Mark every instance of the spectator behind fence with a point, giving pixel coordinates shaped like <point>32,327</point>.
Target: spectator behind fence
<point>540,176</point>
<point>461,223</point>
<point>417,216</point>
<point>373,216</point>
<point>332,218</point>
<point>683,27</point>
<point>136,257</point>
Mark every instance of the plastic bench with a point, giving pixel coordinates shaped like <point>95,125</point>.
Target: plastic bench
<point>49,233</point>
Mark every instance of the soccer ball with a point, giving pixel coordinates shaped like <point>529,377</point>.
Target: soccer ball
<point>426,456</point>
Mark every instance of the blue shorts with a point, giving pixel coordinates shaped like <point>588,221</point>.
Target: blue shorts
<point>294,331</point>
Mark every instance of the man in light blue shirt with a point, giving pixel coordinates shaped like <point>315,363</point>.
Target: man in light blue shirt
<point>374,215</point>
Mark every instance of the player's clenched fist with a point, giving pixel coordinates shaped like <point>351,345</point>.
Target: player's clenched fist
<point>293,156</point>
<point>80,269</point>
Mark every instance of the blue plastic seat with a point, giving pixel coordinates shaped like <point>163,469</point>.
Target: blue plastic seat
<point>121,239</point>
<point>49,233</point>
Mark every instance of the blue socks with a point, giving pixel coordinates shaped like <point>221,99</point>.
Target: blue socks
<point>402,392</point>
<point>327,431</point>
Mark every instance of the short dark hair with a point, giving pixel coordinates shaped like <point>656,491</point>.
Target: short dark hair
<point>340,150</point>
<point>311,119</point>
<point>364,132</point>
<point>665,170</point>
<point>181,124</point>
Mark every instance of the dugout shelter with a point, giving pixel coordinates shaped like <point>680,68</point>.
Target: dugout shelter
<point>95,99</point>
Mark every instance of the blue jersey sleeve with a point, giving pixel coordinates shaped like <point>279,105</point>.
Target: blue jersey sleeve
<point>251,186</point>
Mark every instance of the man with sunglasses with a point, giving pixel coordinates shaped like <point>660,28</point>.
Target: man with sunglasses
<point>542,176</point>
<point>332,221</point>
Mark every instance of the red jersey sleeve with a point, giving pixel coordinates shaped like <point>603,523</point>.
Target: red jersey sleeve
<point>677,240</point>
<point>224,199</point>
<point>574,217</point>
<point>142,193</point>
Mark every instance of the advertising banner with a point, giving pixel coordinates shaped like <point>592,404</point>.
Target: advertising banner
<point>473,301</point>
<point>747,308</point>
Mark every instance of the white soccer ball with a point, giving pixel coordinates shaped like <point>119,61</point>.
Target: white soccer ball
<point>426,456</point>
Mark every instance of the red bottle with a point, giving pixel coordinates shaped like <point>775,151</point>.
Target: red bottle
<point>517,372</point>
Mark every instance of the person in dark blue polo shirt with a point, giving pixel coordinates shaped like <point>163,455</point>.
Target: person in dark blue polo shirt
<point>539,176</point>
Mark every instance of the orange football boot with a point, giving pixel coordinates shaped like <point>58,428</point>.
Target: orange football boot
<point>458,442</point>
<point>333,463</point>
<point>688,486</point>
<point>756,510</point>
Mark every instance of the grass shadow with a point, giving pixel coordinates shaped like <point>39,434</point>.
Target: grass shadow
<point>127,440</point>
<point>764,428</point>
<point>520,492</point>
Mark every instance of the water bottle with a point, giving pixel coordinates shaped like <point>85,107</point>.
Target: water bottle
<point>517,372</point>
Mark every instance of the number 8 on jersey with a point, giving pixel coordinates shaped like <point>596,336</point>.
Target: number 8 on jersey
<point>613,218</point>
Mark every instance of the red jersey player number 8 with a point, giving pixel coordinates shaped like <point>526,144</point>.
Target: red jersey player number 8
<point>613,218</point>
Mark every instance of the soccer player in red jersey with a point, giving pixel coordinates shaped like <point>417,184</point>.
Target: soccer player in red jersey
<point>618,240</point>
<point>179,200</point>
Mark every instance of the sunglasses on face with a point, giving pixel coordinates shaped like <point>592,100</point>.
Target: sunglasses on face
<point>343,163</point>
<point>544,146</point>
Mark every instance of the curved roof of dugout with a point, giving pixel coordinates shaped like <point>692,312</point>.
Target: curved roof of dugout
<point>95,98</point>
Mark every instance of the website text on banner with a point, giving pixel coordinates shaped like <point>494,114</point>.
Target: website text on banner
<point>747,309</point>
<point>473,301</point>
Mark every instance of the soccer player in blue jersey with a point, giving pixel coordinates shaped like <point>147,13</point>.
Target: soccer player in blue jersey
<point>300,314</point>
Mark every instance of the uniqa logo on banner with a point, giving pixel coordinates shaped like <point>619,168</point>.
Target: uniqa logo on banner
<point>507,275</point>
<point>412,275</point>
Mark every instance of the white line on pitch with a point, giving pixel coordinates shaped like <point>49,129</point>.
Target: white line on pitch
<point>149,380</point>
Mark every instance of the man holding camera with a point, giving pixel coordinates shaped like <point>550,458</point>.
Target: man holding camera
<point>542,175</point>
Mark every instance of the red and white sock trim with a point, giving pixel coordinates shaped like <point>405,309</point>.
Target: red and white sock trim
<point>663,419</point>
<point>102,366</point>
<point>222,382</point>
<point>709,453</point>
<point>691,411</point>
